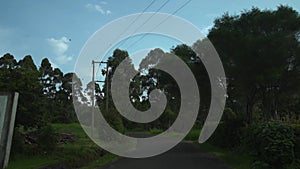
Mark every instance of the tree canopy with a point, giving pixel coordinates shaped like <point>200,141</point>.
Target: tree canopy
<point>260,52</point>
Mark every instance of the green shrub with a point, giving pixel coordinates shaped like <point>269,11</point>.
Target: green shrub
<point>17,146</point>
<point>271,143</point>
<point>114,119</point>
<point>193,135</point>
<point>297,147</point>
<point>296,128</point>
<point>228,133</point>
<point>47,138</point>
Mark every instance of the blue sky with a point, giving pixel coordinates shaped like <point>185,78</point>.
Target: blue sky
<point>59,29</point>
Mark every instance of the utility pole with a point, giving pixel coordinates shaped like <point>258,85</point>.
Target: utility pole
<point>93,91</point>
<point>93,98</point>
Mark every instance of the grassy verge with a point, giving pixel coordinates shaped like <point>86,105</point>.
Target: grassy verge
<point>101,161</point>
<point>25,162</point>
<point>233,159</point>
<point>84,151</point>
<point>193,135</point>
<point>74,154</point>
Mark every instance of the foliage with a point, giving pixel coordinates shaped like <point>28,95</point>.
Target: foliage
<point>114,120</point>
<point>236,160</point>
<point>29,162</point>
<point>22,77</point>
<point>260,51</point>
<point>74,154</point>
<point>260,54</point>
<point>45,95</point>
<point>228,133</point>
<point>47,138</point>
<point>193,135</point>
<point>296,128</point>
<point>17,143</point>
<point>271,143</point>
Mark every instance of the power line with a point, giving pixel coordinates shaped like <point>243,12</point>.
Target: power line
<point>136,18</point>
<point>133,21</point>
<point>163,5</point>
<point>182,6</point>
<point>144,35</point>
<point>152,16</point>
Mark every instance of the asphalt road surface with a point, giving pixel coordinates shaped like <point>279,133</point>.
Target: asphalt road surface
<point>183,156</point>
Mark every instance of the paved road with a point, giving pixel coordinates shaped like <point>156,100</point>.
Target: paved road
<point>183,156</point>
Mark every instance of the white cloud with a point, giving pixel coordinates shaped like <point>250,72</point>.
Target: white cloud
<point>63,59</point>
<point>206,30</point>
<point>99,8</point>
<point>59,48</point>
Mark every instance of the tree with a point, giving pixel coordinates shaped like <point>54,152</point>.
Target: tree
<point>260,53</point>
<point>7,67</point>
<point>22,77</point>
<point>197,67</point>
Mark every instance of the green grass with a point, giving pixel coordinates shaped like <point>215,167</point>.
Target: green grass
<point>193,135</point>
<point>233,159</point>
<point>23,162</point>
<point>84,151</point>
<point>74,150</point>
<point>155,131</point>
<point>77,154</point>
<point>101,161</point>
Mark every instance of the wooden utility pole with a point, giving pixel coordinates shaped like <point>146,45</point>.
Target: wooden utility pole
<point>93,91</point>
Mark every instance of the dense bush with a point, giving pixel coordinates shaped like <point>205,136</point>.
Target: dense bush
<point>47,138</point>
<point>271,143</point>
<point>17,146</point>
<point>296,129</point>
<point>227,135</point>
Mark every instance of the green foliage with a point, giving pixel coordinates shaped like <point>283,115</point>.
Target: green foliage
<point>228,133</point>
<point>17,143</point>
<point>29,162</point>
<point>193,135</point>
<point>296,128</point>
<point>115,120</point>
<point>271,143</point>
<point>47,138</point>
<point>236,160</point>
<point>22,77</point>
<point>80,152</point>
<point>260,53</point>
<point>45,93</point>
<point>57,92</point>
<point>262,68</point>
<point>297,147</point>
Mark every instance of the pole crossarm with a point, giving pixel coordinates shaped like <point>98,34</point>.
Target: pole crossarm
<point>98,62</point>
<point>93,93</point>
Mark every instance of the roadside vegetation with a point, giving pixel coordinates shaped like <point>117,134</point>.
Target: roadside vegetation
<point>260,52</point>
<point>71,148</point>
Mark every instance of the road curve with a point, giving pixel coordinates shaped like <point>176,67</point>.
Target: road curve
<point>183,156</point>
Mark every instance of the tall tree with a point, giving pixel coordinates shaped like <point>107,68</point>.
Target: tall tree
<point>260,50</point>
<point>22,77</point>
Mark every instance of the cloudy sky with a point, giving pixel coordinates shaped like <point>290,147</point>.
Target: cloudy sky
<point>58,29</point>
